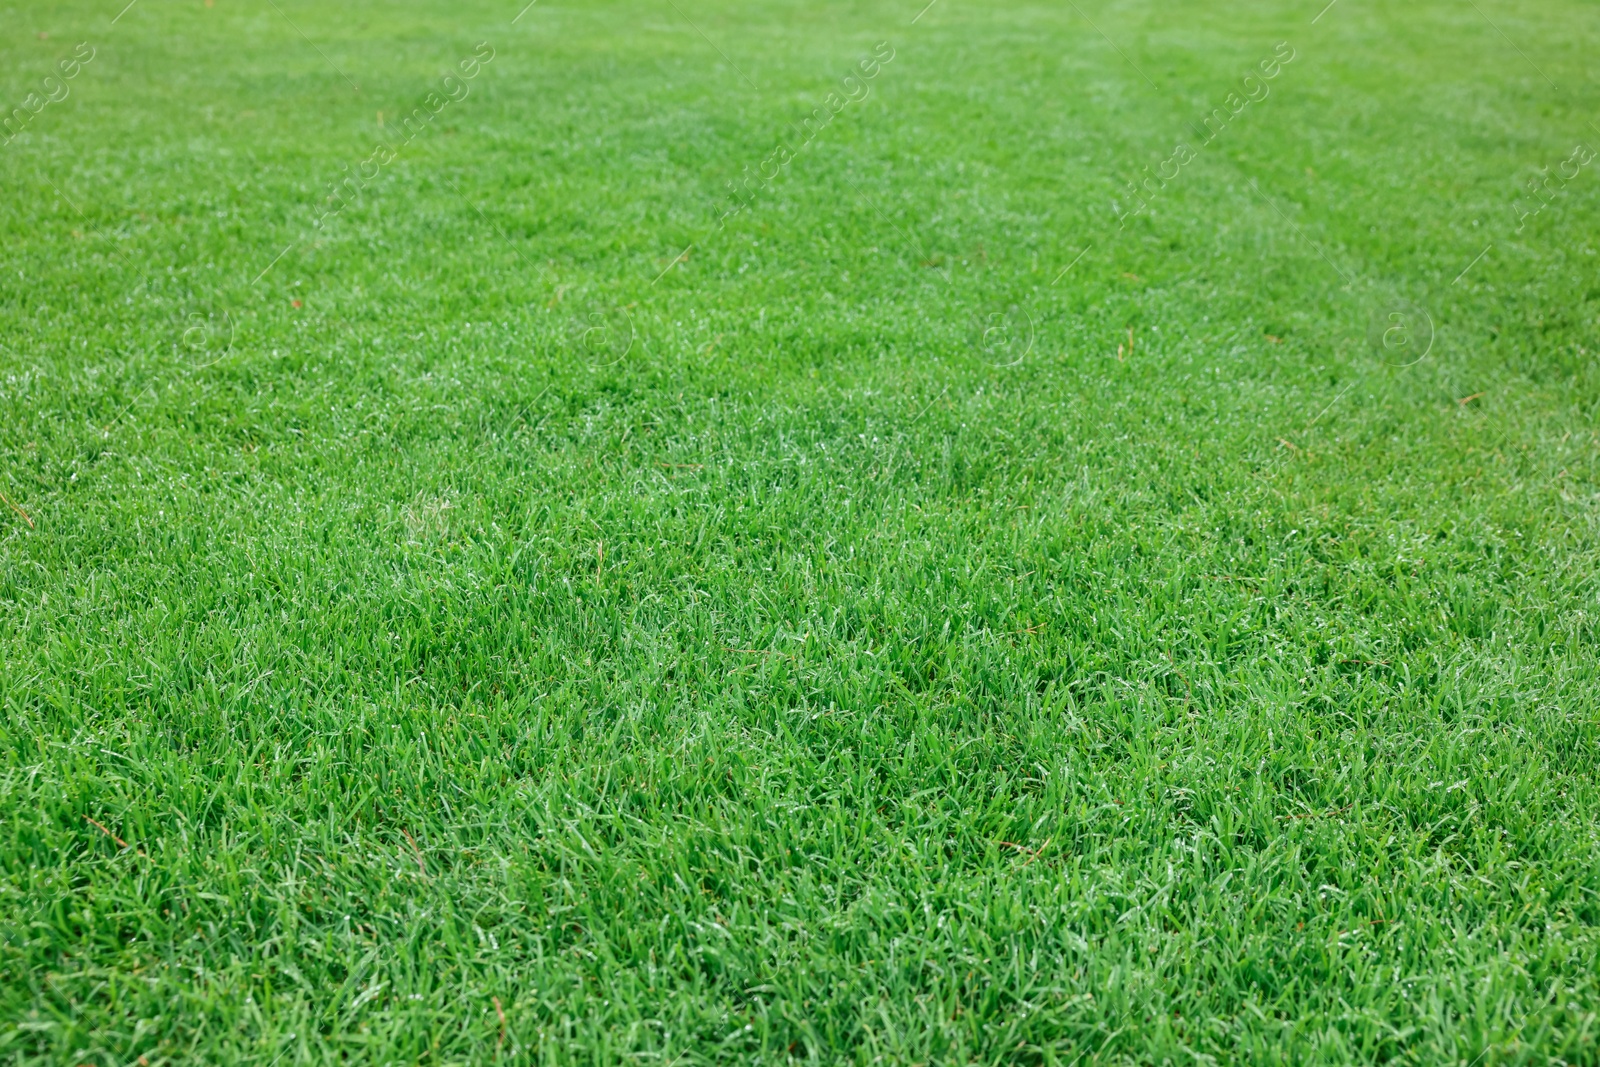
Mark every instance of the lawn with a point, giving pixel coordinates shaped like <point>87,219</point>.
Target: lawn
<point>693,531</point>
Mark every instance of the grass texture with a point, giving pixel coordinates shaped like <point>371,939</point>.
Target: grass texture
<point>738,537</point>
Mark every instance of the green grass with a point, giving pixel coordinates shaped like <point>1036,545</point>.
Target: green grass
<point>393,671</point>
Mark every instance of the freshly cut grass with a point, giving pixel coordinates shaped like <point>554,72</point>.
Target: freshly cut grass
<point>917,618</point>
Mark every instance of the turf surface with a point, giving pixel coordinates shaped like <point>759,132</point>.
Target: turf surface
<point>653,571</point>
